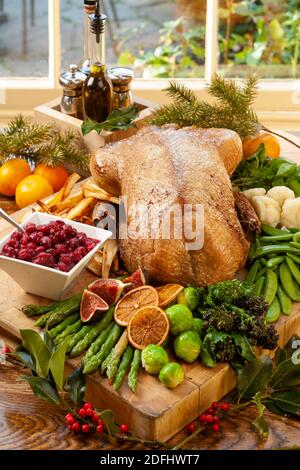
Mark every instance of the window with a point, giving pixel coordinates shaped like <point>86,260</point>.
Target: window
<point>184,39</point>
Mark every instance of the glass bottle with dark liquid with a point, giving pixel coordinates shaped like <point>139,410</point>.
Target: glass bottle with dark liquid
<point>98,89</point>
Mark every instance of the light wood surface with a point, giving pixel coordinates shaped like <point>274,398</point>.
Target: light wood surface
<point>154,412</point>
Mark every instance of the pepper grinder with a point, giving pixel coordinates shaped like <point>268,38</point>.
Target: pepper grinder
<point>72,82</point>
<point>121,78</point>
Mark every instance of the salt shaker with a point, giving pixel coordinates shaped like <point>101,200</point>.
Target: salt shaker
<point>72,82</point>
<point>121,78</point>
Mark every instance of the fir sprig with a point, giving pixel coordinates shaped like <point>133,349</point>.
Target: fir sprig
<point>42,143</point>
<point>232,109</point>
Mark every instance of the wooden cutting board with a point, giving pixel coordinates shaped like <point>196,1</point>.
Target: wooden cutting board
<point>154,412</point>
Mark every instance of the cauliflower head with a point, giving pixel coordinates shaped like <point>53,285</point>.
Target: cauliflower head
<point>281,194</point>
<point>250,193</point>
<point>267,209</point>
<point>290,215</point>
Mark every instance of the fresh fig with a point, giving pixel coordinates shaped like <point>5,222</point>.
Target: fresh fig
<point>110,290</point>
<point>92,306</point>
<point>137,279</point>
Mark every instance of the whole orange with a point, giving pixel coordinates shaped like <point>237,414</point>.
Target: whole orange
<point>32,189</point>
<point>57,176</point>
<point>11,173</point>
<point>271,143</point>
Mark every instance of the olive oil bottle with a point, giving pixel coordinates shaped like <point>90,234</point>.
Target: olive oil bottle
<point>98,89</point>
<point>89,7</point>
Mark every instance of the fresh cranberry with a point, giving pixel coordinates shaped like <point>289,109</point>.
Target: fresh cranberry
<point>81,237</point>
<point>45,229</point>
<point>70,231</point>
<point>73,243</point>
<point>30,228</point>
<point>32,246</point>
<point>45,259</point>
<point>9,251</point>
<point>67,259</point>
<point>79,253</point>
<point>17,236</point>
<point>25,240</point>
<point>60,249</point>
<point>90,245</point>
<point>46,242</point>
<point>75,427</point>
<point>39,250</point>
<point>24,254</point>
<point>13,243</point>
<point>63,267</point>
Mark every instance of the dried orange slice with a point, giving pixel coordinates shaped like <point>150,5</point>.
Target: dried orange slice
<point>168,293</point>
<point>149,325</point>
<point>133,301</point>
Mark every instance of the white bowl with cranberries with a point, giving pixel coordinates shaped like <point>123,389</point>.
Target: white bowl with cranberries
<point>50,255</point>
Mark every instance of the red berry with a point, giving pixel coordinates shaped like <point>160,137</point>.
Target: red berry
<point>89,412</point>
<point>70,420</point>
<point>85,428</point>
<point>216,419</point>
<point>211,411</point>
<point>69,415</point>
<point>215,405</point>
<point>209,419</point>
<point>124,428</point>
<point>82,412</point>
<point>100,428</point>
<point>191,428</point>
<point>76,427</point>
<point>95,418</point>
<point>87,406</point>
<point>224,406</point>
<point>203,418</point>
<point>216,427</point>
<point>6,349</point>
<point>70,427</point>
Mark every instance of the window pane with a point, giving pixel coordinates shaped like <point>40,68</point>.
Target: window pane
<point>260,36</point>
<point>24,38</point>
<point>158,38</point>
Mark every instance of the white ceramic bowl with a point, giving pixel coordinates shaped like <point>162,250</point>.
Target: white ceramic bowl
<point>44,281</point>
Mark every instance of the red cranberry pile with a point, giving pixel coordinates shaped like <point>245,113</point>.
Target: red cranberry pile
<point>55,245</point>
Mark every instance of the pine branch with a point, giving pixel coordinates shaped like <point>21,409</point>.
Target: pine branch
<point>180,93</point>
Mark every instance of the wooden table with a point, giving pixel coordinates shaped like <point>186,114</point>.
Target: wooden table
<point>27,422</point>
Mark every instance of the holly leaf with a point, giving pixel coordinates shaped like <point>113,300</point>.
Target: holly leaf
<point>254,377</point>
<point>108,419</point>
<point>26,358</point>
<point>76,386</point>
<point>34,343</point>
<point>57,364</point>
<point>287,400</point>
<point>260,424</point>
<point>42,388</point>
<point>271,406</point>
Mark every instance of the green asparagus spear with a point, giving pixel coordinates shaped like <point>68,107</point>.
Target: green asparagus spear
<point>63,325</point>
<point>124,364</point>
<point>35,310</point>
<point>42,321</point>
<point>95,361</point>
<point>93,333</point>
<point>96,345</point>
<point>60,313</point>
<point>113,363</point>
<point>78,337</point>
<point>105,362</point>
<point>134,370</point>
<point>70,330</point>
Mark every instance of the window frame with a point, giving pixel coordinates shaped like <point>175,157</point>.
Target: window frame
<point>274,102</point>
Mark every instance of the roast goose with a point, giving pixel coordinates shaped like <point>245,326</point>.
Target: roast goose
<point>165,167</point>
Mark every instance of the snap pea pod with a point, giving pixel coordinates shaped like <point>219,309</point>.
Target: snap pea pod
<point>284,236</point>
<point>294,229</point>
<point>271,263</point>
<point>260,273</point>
<point>134,370</point>
<point>287,281</point>
<point>259,285</point>
<point>295,245</point>
<point>272,231</point>
<point>113,363</point>
<point>293,268</point>
<point>252,273</point>
<point>96,345</point>
<point>294,258</point>
<point>70,330</point>
<point>63,325</point>
<point>42,321</point>
<point>251,251</point>
<point>95,361</point>
<point>124,364</point>
<point>296,237</point>
<point>272,255</point>
<point>263,261</point>
<point>271,286</point>
<point>280,248</point>
<point>284,300</point>
<point>78,337</point>
<point>83,344</point>
<point>274,311</point>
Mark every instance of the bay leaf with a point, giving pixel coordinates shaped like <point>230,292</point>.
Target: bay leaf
<point>42,388</point>
<point>254,377</point>
<point>34,343</point>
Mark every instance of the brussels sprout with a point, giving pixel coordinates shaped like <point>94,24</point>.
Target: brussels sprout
<point>197,325</point>
<point>154,358</point>
<point>180,318</point>
<point>188,346</point>
<point>189,297</point>
<point>171,374</point>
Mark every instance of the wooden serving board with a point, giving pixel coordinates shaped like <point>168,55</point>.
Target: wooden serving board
<point>154,412</point>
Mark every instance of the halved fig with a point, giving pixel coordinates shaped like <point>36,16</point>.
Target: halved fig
<point>137,279</point>
<point>92,306</point>
<point>110,290</point>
